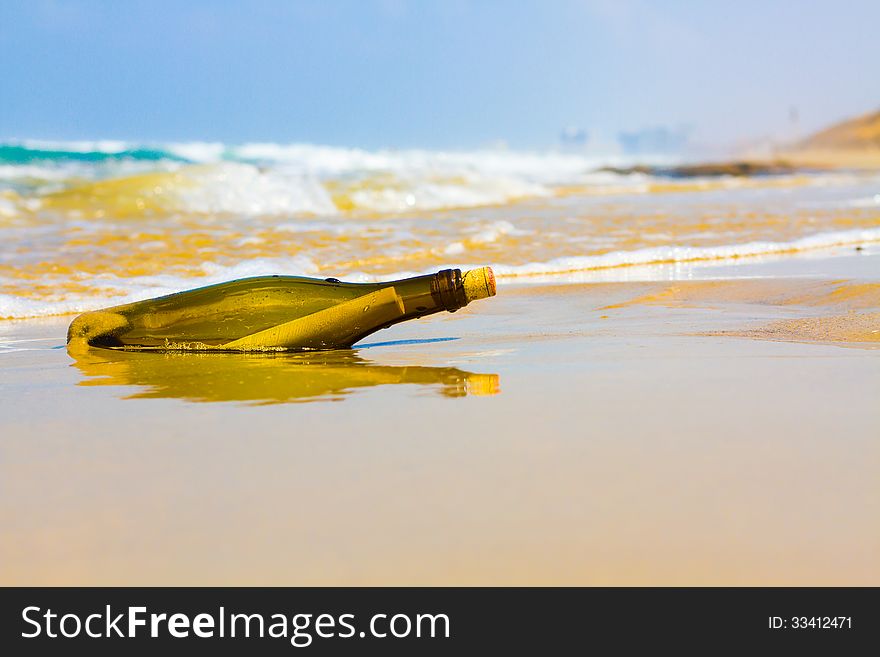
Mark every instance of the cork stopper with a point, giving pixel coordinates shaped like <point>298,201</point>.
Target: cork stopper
<point>478,284</point>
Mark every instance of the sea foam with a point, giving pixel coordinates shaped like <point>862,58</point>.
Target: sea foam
<point>136,288</point>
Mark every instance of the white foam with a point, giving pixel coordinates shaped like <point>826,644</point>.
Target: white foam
<point>490,233</point>
<point>415,194</point>
<point>667,254</point>
<point>319,160</point>
<point>8,207</point>
<point>404,180</point>
<point>108,146</point>
<point>538,167</point>
<point>239,188</point>
<point>564,269</point>
<point>244,189</point>
<point>30,171</point>
<point>197,151</point>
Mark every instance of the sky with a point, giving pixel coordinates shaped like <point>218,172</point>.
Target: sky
<point>444,74</point>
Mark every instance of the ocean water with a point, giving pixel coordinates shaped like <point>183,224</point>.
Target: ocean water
<point>85,225</point>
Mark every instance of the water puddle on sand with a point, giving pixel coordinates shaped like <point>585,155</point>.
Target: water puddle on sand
<point>848,308</point>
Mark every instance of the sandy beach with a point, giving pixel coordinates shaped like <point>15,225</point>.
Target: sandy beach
<point>716,427</point>
<point>439,327</point>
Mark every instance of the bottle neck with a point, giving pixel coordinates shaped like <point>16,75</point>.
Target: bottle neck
<point>447,289</point>
<point>425,295</point>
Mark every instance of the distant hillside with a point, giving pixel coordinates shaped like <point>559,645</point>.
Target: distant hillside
<point>861,133</point>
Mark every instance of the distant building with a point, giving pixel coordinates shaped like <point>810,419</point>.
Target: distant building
<point>655,140</point>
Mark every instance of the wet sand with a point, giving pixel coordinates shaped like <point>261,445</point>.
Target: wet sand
<point>598,433</point>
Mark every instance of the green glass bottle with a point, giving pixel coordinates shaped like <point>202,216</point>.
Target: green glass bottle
<point>276,313</point>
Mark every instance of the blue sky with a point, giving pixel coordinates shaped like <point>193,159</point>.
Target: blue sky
<point>450,74</point>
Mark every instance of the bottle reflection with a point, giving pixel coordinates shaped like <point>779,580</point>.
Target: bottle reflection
<point>265,378</point>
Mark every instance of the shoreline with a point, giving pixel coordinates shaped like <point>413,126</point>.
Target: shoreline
<point>861,243</point>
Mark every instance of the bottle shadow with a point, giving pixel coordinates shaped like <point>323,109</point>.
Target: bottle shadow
<point>264,378</point>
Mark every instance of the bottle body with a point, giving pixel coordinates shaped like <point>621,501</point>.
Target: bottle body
<point>276,313</point>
